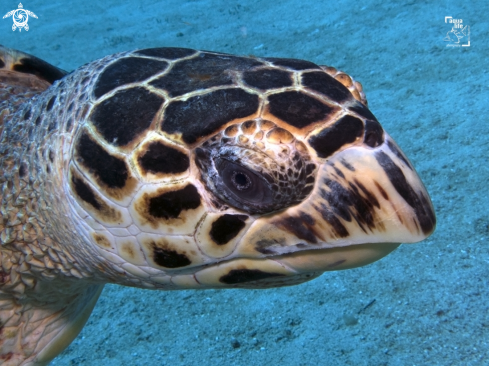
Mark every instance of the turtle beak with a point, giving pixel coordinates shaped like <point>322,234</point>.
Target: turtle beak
<point>366,201</point>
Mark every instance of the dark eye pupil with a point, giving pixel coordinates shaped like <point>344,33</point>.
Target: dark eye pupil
<point>241,180</point>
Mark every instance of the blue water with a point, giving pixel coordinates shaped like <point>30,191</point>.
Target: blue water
<point>428,301</point>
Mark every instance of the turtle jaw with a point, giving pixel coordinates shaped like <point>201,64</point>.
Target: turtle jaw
<point>362,196</point>
<point>334,259</point>
<point>366,201</point>
<point>285,270</point>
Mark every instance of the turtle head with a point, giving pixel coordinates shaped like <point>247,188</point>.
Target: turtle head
<point>196,170</point>
<point>343,197</point>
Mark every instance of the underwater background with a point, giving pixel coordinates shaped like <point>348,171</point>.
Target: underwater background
<point>424,304</point>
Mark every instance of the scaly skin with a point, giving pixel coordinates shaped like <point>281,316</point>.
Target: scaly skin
<point>34,309</point>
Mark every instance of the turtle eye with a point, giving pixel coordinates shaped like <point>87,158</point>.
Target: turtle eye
<point>244,184</point>
<point>241,180</point>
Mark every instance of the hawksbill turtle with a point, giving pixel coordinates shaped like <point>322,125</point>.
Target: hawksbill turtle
<point>172,168</point>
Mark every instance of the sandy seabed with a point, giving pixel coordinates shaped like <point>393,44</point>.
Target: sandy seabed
<point>428,301</point>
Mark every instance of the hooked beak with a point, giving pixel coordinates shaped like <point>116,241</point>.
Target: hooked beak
<point>365,203</point>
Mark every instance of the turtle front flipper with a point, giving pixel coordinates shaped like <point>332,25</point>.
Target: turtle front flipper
<point>40,315</point>
<point>22,76</point>
<point>26,71</point>
<point>34,333</point>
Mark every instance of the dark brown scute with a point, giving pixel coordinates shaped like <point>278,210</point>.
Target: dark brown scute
<point>226,227</point>
<point>205,114</point>
<point>374,133</point>
<point>85,192</point>
<point>292,63</point>
<point>169,53</point>
<point>205,71</point>
<point>267,79</point>
<point>125,115</point>
<point>416,200</point>
<point>246,275</point>
<point>345,131</point>
<point>171,204</point>
<point>112,171</point>
<point>327,85</point>
<point>363,111</point>
<point>160,158</point>
<point>170,258</point>
<point>127,70</point>
<point>298,109</point>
